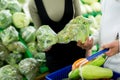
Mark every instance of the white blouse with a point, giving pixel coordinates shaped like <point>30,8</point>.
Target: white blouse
<point>110,26</point>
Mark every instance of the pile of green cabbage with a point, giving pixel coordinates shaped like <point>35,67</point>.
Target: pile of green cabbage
<point>19,37</point>
<point>17,42</point>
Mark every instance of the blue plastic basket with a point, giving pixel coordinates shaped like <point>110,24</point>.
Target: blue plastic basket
<point>59,74</point>
<point>63,73</point>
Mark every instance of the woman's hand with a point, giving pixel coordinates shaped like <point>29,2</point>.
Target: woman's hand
<point>87,45</point>
<point>113,48</point>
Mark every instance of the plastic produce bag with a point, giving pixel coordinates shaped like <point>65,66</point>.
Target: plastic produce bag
<point>76,29</point>
<point>9,35</point>
<point>28,33</point>
<point>16,46</point>
<point>9,72</point>
<point>3,52</point>
<point>5,19</point>
<point>46,37</point>
<point>29,68</point>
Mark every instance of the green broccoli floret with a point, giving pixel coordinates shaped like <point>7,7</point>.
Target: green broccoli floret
<point>9,35</point>
<point>76,29</point>
<point>46,37</point>
<point>29,68</point>
<point>28,33</point>
<point>14,6</point>
<point>3,4</point>
<point>9,72</point>
<point>13,58</point>
<point>20,20</point>
<point>16,46</point>
<point>5,18</point>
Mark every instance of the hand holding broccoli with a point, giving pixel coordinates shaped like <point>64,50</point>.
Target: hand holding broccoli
<point>87,45</point>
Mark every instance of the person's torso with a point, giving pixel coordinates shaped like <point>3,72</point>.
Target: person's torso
<point>54,9</point>
<point>110,26</point>
<point>54,14</point>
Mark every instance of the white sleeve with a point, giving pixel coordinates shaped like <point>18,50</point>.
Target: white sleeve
<point>103,3</point>
<point>119,42</point>
<point>95,37</point>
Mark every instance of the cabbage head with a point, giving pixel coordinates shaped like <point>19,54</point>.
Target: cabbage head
<point>14,6</point>
<point>20,20</point>
<point>46,37</point>
<point>28,33</point>
<point>16,46</point>
<point>29,68</point>
<point>3,4</point>
<point>9,35</point>
<point>9,72</point>
<point>13,58</point>
<point>5,19</point>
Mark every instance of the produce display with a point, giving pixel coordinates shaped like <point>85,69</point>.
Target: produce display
<point>18,51</point>
<point>20,40</point>
<point>90,7</point>
<point>92,10</point>
<point>22,46</point>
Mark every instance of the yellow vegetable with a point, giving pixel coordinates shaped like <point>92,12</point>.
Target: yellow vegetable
<point>95,72</point>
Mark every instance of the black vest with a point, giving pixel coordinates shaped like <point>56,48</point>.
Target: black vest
<point>56,26</point>
<point>60,55</point>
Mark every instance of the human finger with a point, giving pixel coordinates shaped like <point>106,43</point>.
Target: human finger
<point>79,43</point>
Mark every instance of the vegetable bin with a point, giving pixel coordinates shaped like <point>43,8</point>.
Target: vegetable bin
<point>63,74</point>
